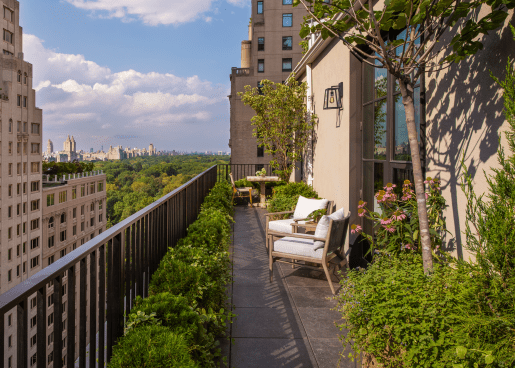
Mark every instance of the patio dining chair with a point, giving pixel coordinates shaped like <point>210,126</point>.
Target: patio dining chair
<point>299,216</point>
<point>324,248</point>
<point>241,192</point>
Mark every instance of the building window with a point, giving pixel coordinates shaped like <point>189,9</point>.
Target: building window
<point>100,186</point>
<point>24,78</point>
<point>62,196</point>
<point>8,36</point>
<point>261,65</point>
<point>24,101</point>
<point>34,224</point>
<point>50,300</point>
<point>92,221</point>
<point>34,186</point>
<point>51,260</point>
<point>62,236</point>
<point>74,246</point>
<point>82,226</point>
<point>10,233</point>
<point>51,241</point>
<point>50,200</point>
<point>287,20</point>
<point>261,44</point>
<point>51,319</point>
<point>34,128</point>
<point>287,43</point>
<point>35,167</point>
<point>63,253</point>
<point>24,127</point>
<point>33,359</point>
<point>286,65</point>
<point>92,207</point>
<point>34,262</point>
<point>260,7</point>
<point>92,188</point>
<point>8,14</point>
<point>34,148</point>
<point>33,303</point>
<point>83,190</point>
<point>9,275</point>
<point>260,151</point>
<point>100,204</point>
<point>74,230</point>
<point>74,192</point>
<point>100,218</point>
<point>18,101</point>
<point>34,205</point>
<point>34,340</point>
<point>34,243</point>
<point>51,222</point>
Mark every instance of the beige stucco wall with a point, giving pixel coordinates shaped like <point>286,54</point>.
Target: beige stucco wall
<point>464,120</point>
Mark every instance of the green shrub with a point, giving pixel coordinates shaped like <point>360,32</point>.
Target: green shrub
<point>244,183</point>
<point>285,197</point>
<point>152,346</point>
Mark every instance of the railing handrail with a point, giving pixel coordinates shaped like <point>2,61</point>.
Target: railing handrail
<point>18,293</point>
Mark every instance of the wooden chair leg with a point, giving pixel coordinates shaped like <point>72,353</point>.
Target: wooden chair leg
<point>270,262</point>
<point>328,275</point>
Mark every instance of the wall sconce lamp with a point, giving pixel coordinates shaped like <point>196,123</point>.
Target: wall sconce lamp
<point>333,97</point>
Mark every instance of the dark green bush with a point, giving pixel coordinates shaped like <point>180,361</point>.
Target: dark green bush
<point>187,295</point>
<point>152,346</point>
<point>285,197</point>
<point>244,183</point>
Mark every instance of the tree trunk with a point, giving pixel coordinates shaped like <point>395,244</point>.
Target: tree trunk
<point>425,239</point>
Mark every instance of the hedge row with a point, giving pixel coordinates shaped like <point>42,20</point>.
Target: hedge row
<point>177,325</point>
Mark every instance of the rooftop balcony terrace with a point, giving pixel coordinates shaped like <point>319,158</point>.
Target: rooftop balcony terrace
<point>289,322</point>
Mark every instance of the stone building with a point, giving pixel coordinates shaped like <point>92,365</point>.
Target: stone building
<point>271,52</point>
<point>49,147</point>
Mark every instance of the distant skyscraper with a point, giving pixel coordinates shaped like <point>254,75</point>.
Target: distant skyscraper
<point>91,150</point>
<point>49,147</point>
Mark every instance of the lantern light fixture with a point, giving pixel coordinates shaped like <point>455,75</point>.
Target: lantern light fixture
<point>333,97</point>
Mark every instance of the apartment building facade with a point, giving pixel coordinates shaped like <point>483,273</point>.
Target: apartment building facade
<point>271,52</point>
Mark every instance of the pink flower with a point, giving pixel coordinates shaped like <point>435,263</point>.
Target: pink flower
<point>386,221</point>
<point>361,212</point>
<point>355,229</point>
<point>427,196</point>
<point>362,204</point>
<point>407,246</point>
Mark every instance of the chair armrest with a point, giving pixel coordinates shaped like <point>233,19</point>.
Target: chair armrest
<point>305,226</point>
<point>300,236</point>
<point>306,219</point>
<point>278,213</point>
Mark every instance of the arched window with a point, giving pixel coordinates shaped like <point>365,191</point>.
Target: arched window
<point>51,223</point>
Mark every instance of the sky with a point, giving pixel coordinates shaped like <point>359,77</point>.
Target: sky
<point>134,72</point>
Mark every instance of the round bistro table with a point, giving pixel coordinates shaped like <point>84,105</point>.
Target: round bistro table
<point>262,180</point>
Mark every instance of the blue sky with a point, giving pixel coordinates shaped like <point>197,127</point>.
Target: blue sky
<point>132,72</point>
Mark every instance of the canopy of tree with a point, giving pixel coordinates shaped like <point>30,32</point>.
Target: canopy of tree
<point>134,184</point>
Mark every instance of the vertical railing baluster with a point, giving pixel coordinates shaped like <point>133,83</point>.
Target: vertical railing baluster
<point>146,255</point>
<point>41,296</point>
<point>139,259</point>
<point>2,338</point>
<point>134,276</point>
<point>58,322</point>
<point>111,296</point>
<point>92,309</point>
<point>101,304</point>
<point>70,330</point>
<point>118,288</point>
<point>82,314</point>
<point>127,271</point>
<point>21,331</point>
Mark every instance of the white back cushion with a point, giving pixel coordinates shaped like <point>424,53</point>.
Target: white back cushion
<point>323,227</point>
<point>306,206</point>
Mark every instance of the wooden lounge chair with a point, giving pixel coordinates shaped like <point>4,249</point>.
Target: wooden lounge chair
<point>241,192</point>
<point>326,250</point>
<point>290,226</point>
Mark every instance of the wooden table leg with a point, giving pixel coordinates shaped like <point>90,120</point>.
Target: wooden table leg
<point>263,197</point>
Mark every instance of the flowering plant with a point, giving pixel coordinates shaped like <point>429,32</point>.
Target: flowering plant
<point>261,172</point>
<point>396,225</point>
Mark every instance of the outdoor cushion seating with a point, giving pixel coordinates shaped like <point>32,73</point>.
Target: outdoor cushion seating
<point>240,192</point>
<point>303,209</point>
<point>303,247</point>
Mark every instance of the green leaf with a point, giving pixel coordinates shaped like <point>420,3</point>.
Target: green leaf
<point>457,365</point>
<point>489,359</point>
<point>461,351</point>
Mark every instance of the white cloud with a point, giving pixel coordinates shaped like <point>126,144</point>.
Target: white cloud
<point>152,12</point>
<point>84,99</point>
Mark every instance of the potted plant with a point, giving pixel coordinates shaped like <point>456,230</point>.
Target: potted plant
<point>261,172</point>
<point>315,216</point>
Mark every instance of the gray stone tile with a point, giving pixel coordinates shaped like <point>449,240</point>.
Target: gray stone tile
<point>258,276</point>
<point>272,353</point>
<point>261,296</point>
<point>312,297</point>
<point>320,322</point>
<point>267,323</point>
<point>306,276</point>
<point>330,353</point>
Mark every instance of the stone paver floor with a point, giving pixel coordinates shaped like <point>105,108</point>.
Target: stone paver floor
<point>286,323</point>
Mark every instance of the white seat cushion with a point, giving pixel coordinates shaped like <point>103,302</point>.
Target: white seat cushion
<point>323,226</point>
<point>283,226</point>
<point>299,247</point>
<point>306,206</point>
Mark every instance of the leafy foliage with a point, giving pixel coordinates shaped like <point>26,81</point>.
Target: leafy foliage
<point>285,197</point>
<point>134,184</point>
<point>282,124</point>
<point>187,296</point>
<point>64,168</point>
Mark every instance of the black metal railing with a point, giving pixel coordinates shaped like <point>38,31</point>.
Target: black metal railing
<point>240,171</point>
<point>106,273</point>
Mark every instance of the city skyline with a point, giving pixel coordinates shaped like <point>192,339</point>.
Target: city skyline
<point>129,95</point>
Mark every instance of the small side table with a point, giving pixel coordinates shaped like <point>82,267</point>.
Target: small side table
<point>262,180</point>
